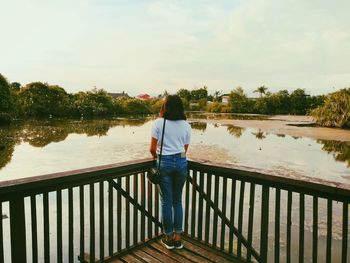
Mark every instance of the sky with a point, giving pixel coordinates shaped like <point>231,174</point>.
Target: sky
<point>150,46</point>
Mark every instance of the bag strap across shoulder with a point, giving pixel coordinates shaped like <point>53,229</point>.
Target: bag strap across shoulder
<point>161,145</point>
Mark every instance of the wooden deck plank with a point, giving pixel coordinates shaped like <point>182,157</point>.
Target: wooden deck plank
<point>130,259</point>
<point>205,251</point>
<point>153,251</point>
<point>169,253</point>
<point>189,255</point>
<point>144,256</point>
<point>160,256</point>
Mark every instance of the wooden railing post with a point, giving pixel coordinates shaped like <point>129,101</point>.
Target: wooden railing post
<point>17,228</point>
<point>264,223</point>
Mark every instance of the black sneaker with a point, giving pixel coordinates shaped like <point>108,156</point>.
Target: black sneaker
<point>167,242</point>
<point>178,244</point>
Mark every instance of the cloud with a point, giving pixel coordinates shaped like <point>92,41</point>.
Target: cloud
<point>156,45</point>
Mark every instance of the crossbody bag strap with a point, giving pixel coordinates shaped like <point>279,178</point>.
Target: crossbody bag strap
<point>161,145</point>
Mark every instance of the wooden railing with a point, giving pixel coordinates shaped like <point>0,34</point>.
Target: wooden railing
<point>97,213</point>
<point>254,216</point>
<point>90,214</point>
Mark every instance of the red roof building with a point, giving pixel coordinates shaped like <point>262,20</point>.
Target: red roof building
<point>143,97</point>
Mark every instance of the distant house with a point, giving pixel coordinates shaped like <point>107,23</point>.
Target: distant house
<point>143,97</point>
<point>119,95</point>
<point>225,99</point>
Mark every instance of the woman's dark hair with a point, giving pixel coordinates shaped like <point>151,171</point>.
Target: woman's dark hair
<point>173,108</point>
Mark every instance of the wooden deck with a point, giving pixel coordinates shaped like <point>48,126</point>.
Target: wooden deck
<point>154,252</point>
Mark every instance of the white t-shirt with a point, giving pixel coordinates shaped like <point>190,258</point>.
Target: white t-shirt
<point>176,135</point>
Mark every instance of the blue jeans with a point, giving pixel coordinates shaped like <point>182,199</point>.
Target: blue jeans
<point>173,171</point>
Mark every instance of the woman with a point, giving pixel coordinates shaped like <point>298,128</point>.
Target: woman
<point>173,166</point>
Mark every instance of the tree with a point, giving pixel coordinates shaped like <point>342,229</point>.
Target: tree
<point>238,101</point>
<point>315,101</point>
<point>279,102</point>
<point>94,103</point>
<point>155,105</point>
<point>15,86</point>
<point>201,93</point>
<point>261,106</point>
<point>336,110</point>
<point>261,90</point>
<point>298,101</point>
<point>37,99</point>
<point>6,101</point>
<point>184,93</point>
<point>136,106</point>
<point>216,95</point>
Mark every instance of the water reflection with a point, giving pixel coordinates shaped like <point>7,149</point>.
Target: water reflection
<point>126,139</point>
<point>200,126</point>
<point>40,136</point>
<point>225,116</point>
<point>235,130</point>
<point>42,133</point>
<point>8,140</point>
<point>340,150</point>
<point>259,134</point>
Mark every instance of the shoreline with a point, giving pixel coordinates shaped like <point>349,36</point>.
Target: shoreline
<point>286,124</point>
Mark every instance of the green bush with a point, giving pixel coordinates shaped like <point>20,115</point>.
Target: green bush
<point>136,106</point>
<point>335,112</point>
<point>155,105</point>
<point>5,118</point>
<point>215,107</point>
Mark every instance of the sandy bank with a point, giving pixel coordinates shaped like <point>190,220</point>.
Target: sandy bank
<point>281,124</point>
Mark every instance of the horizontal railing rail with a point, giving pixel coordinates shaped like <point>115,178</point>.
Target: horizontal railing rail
<point>97,213</point>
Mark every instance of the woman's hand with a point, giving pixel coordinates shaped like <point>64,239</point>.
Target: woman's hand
<point>153,147</point>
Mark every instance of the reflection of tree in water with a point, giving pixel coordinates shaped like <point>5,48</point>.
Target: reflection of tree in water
<point>91,128</point>
<point>40,136</point>
<point>201,126</point>
<point>41,133</point>
<point>196,115</point>
<point>132,122</point>
<point>8,138</point>
<point>259,135</point>
<point>339,149</point>
<point>235,130</point>
<point>225,116</point>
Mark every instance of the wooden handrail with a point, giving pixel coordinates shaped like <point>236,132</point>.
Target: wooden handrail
<point>304,184</point>
<point>66,179</point>
<point>93,174</point>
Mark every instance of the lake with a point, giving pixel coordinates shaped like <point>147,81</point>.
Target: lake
<point>40,147</point>
<point>36,147</point>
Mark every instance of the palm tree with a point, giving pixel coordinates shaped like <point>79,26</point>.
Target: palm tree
<point>262,90</point>
<point>217,94</point>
